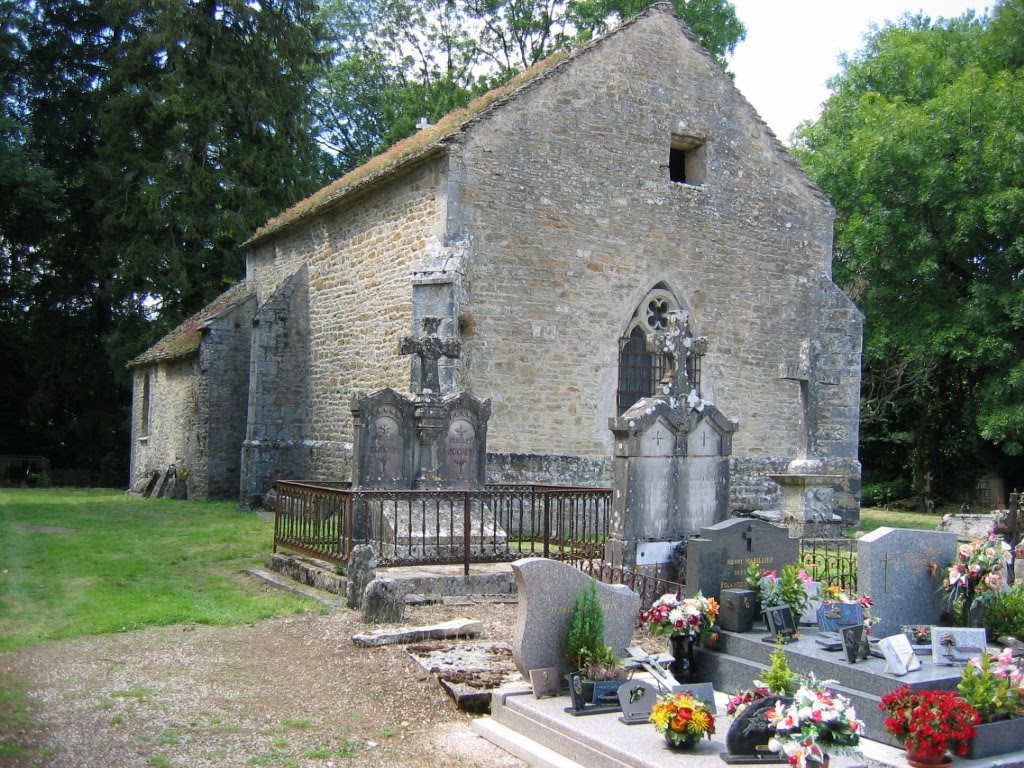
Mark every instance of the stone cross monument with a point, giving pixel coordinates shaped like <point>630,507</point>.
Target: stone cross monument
<point>430,348</point>
<point>671,465</point>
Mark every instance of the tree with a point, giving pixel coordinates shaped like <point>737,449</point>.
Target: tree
<point>399,60</point>
<point>920,149</point>
<point>142,143</point>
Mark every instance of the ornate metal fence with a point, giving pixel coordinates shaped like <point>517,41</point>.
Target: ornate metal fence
<point>831,560</point>
<point>498,523</point>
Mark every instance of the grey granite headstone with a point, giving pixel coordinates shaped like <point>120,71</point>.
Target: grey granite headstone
<point>719,558</point>
<point>547,591</point>
<point>901,569</point>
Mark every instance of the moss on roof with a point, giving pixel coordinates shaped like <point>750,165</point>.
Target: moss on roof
<point>422,144</point>
<point>184,340</point>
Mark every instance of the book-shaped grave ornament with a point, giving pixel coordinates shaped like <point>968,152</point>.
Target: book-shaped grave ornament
<point>781,624</point>
<point>953,646</point>
<point>833,616</point>
<point>748,736</point>
<point>899,655</point>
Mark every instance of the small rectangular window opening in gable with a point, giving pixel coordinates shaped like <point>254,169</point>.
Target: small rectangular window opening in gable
<point>686,159</point>
<point>146,404</point>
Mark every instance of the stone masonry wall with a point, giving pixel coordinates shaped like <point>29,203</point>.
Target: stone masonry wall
<point>275,446</point>
<point>358,307</point>
<point>222,394</point>
<point>572,218</point>
<point>173,419</point>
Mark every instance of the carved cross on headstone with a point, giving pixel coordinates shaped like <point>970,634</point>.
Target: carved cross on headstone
<point>430,348</point>
<point>749,536</point>
<point>681,351</point>
<point>887,559</point>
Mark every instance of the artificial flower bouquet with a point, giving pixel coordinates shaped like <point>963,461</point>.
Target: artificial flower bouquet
<point>682,719</point>
<point>672,614</point>
<point>979,570</point>
<point>929,723</point>
<point>818,722</point>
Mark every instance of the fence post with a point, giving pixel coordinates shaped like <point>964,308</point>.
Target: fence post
<point>277,516</point>
<point>547,524</point>
<point>465,532</point>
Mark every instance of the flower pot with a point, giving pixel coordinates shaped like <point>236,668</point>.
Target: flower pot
<point>996,738</point>
<point>920,761</point>
<point>681,742</point>
<point>684,664</point>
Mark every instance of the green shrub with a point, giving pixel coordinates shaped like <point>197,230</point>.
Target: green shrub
<point>584,640</point>
<point>1004,613</point>
<point>880,494</point>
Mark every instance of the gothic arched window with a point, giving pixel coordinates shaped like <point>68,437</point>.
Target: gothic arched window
<point>640,370</point>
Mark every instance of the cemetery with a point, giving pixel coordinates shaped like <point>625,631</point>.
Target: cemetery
<point>650,621</point>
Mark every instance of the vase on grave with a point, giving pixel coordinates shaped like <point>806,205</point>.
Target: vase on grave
<point>684,663</point>
<point>682,742</point>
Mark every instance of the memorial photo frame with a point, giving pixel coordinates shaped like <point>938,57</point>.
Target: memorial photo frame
<point>853,643</point>
<point>545,682</point>
<point>781,622</point>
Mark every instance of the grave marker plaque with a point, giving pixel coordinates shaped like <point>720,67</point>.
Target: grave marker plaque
<point>547,591</point>
<point>901,570</point>
<point>718,559</point>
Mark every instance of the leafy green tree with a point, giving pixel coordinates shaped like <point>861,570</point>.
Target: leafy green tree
<point>142,142</point>
<point>399,60</point>
<point>920,149</point>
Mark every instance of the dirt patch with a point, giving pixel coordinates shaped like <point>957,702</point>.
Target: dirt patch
<point>293,692</point>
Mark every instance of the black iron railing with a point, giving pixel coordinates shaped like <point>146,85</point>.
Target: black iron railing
<point>831,560</point>
<point>495,524</point>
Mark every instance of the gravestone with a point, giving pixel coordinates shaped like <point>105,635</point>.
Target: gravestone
<point>383,602</point>
<point>671,463</point>
<point>719,557</point>
<point>547,591</point>
<point>361,565</point>
<point>384,447</point>
<point>902,570</point>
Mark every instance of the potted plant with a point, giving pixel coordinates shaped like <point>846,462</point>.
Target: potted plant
<point>817,723</point>
<point>788,587</point>
<point>684,620</point>
<point>929,723</point>
<point>994,686</point>
<point>584,642</point>
<point>682,719</point>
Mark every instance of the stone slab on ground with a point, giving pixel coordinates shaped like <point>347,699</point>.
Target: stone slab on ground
<point>281,582</point>
<point>468,672</point>
<point>399,635</point>
<point>541,733</point>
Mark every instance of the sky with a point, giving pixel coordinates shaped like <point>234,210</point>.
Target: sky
<point>793,47</point>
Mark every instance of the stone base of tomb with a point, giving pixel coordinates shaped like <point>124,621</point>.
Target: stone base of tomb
<point>542,733</point>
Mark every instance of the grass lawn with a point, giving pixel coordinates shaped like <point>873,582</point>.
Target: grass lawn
<point>79,562</point>
<point>872,517</point>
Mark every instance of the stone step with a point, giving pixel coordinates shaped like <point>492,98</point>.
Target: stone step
<point>319,580</point>
<point>540,732</point>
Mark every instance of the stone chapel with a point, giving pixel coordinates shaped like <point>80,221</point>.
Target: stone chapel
<point>551,225</point>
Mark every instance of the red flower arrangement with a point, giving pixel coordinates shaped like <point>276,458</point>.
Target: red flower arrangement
<point>929,722</point>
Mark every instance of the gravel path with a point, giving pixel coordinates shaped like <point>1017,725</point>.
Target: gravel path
<point>292,692</point>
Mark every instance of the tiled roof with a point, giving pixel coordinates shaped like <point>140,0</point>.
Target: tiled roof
<point>184,340</point>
